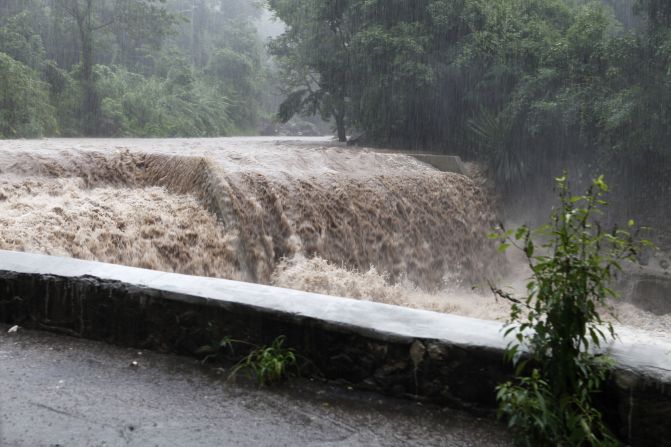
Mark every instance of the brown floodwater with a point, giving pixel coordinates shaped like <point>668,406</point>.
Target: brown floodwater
<point>305,214</point>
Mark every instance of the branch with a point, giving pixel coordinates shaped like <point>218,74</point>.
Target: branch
<point>508,296</point>
<point>69,9</point>
<point>104,25</point>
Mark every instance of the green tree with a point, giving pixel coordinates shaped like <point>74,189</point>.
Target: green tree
<point>179,106</point>
<point>18,40</point>
<point>92,17</point>
<point>235,71</point>
<point>557,328</point>
<point>88,52</point>
<point>25,110</point>
<point>315,57</point>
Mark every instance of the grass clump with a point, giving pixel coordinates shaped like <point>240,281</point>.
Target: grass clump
<point>267,364</point>
<point>270,364</point>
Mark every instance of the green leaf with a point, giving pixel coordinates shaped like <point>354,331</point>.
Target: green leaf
<point>503,247</point>
<point>521,232</point>
<point>601,184</point>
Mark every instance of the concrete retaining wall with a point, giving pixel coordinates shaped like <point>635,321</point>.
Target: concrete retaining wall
<point>445,163</point>
<point>443,358</point>
<point>650,291</point>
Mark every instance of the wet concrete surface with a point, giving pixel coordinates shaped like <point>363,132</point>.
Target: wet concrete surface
<point>62,391</point>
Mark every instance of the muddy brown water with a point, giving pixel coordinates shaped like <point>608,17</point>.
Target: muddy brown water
<point>304,214</point>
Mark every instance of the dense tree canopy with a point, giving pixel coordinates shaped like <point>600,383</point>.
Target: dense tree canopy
<point>131,67</point>
<point>476,75</point>
<point>530,86</point>
<point>24,100</point>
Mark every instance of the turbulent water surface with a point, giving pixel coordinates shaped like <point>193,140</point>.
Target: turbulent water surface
<point>302,214</point>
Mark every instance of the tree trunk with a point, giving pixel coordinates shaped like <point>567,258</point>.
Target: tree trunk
<point>89,111</point>
<point>90,101</point>
<point>340,125</point>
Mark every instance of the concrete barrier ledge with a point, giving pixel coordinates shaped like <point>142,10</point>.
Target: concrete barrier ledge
<point>443,358</point>
<point>445,163</point>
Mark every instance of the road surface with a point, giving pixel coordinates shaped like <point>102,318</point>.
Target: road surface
<point>61,391</point>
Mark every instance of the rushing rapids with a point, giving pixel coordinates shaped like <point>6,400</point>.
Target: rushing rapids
<point>408,220</point>
<point>304,215</point>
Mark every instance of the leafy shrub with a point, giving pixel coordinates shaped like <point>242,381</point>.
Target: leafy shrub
<point>558,330</point>
<point>25,110</point>
<point>179,106</point>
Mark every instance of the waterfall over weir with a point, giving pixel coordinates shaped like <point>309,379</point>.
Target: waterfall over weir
<point>241,209</point>
<point>301,214</point>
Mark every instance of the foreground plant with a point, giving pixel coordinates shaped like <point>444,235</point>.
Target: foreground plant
<point>557,328</point>
<point>269,365</point>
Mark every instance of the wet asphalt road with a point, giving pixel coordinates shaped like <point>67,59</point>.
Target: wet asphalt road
<point>61,391</point>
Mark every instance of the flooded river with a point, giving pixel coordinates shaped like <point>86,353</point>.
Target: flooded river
<point>302,213</point>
